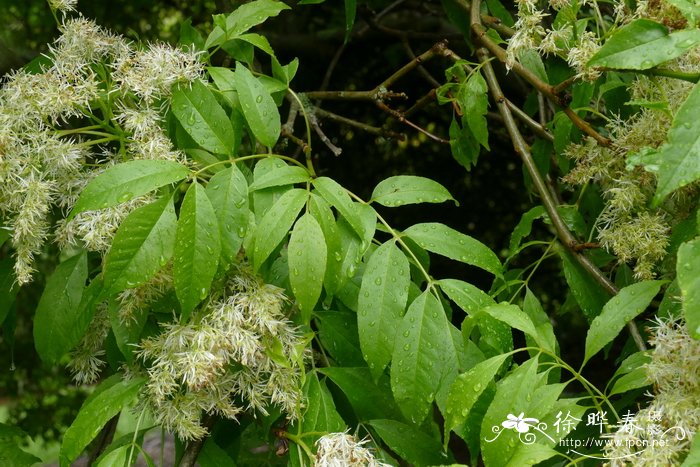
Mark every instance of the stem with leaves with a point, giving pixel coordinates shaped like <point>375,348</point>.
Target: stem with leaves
<point>522,149</point>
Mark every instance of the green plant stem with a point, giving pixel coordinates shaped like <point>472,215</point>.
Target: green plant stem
<point>247,158</point>
<point>398,239</point>
<point>307,150</point>
<point>296,439</point>
<point>521,148</point>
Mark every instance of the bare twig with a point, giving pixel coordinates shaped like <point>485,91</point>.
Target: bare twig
<point>401,118</point>
<point>354,123</point>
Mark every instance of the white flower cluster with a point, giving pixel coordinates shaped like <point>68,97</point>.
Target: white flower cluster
<point>344,450</point>
<point>661,433</point>
<point>531,35</point>
<point>243,354</point>
<point>99,101</point>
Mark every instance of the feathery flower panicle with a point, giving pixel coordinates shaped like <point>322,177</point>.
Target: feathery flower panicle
<point>344,450</point>
<point>227,361</point>
<point>578,56</point>
<point>86,359</point>
<point>63,5</point>
<point>151,73</point>
<point>673,416</point>
<point>95,230</point>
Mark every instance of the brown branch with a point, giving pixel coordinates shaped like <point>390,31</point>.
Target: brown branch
<point>479,33</point>
<point>497,25</point>
<point>325,139</point>
<point>534,126</point>
<point>354,123</point>
<point>521,148</point>
<point>381,91</point>
<point>189,457</point>
<point>401,118</point>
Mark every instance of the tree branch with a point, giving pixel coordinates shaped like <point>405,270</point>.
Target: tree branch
<point>189,457</point>
<point>521,148</point>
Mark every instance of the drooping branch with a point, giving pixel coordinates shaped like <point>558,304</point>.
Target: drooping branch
<point>522,149</point>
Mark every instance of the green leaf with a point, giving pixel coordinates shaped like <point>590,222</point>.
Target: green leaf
<point>54,332</point>
<point>142,245</point>
<point>228,193</point>
<point>126,181</point>
<point>284,175</point>
<point>516,318</point>
<point>445,241</point>
<point>589,294</point>
<point>381,304</point>
<point>643,44</point>
<point>688,271</point>
<point>467,389</point>
<point>465,148</point>
<point>524,227</point>
<point>258,41</point>
<point>622,308</point>
<point>213,456</point>
<point>94,414</point>
<point>337,331</point>
<point>338,197</point>
<point>320,415</point>
<point>519,392</point>
<point>677,163</point>
<point>307,263</point>
<point>422,349</point>
<point>203,118</point>
<point>242,19</point>
<point>369,400</point>
<point>197,249</point>
<point>635,379</point>
<point>8,288</point>
<point>11,455</point>
<point>689,9</point>
<point>468,297</point>
<point>350,11</point>
<point>414,446</point>
<point>259,109</point>
<point>409,189</point>
<point>275,224</point>
<point>473,97</point>
<point>334,277</point>
<point>693,457</point>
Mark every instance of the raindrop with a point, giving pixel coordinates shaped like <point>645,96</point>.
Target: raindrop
<point>259,99</point>
<point>125,197</point>
<point>685,44</point>
<point>203,293</point>
<point>378,281</point>
<point>647,64</point>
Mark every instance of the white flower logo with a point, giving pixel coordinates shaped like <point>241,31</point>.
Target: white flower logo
<point>519,423</point>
